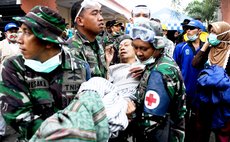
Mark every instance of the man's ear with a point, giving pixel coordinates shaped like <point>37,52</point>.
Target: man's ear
<point>199,31</point>
<point>49,45</point>
<point>79,21</point>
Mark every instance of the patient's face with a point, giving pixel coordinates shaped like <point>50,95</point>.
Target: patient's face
<point>126,51</point>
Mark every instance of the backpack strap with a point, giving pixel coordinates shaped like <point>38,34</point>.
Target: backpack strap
<point>143,83</point>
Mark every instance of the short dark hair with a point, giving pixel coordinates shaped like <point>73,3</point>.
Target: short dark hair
<point>74,10</point>
<point>141,5</point>
<point>108,24</point>
<point>185,22</point>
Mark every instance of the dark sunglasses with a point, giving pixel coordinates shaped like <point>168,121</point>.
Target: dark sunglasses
<point>191,28</point>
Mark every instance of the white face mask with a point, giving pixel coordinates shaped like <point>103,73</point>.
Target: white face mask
<point>45,67</point>
<point>193,37</point>
<point>12,36</point>
<point>140,20</point>
<point>148,61</point>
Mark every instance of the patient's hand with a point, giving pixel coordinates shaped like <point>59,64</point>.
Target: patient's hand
<point>109,53</point>
<point>131,108</point>
<point>137,71</point>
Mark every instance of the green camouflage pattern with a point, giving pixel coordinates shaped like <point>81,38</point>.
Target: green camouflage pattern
<point>109,39</point>
<point>45,24</point>
<point>173,81</point>
<point>84,120</point>
<point>93,54</point>
<point>28,97</point>
<point>176,90</point>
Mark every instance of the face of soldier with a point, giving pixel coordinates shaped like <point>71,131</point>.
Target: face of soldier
<point>141,17</point>
<point>109,30</point>
<point>142,13</point>
<point>91,19</point>
<point>30,45</point>
<point>143,50</point>
<point>116,28</point>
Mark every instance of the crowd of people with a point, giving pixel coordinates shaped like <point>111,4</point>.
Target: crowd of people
<point>106,82</point>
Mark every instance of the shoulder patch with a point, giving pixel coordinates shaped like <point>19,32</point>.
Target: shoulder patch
<point>152,99</point>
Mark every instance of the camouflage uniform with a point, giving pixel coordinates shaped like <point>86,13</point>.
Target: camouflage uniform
<point>29,97</point>
<point>171,84</point>
<point>109,39</point>
<point>160,106</point>
<point>83,120</point>
<point>93,53</point>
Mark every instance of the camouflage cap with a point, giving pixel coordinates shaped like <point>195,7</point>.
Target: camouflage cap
<point>45,23</point>
<point>156,32</point>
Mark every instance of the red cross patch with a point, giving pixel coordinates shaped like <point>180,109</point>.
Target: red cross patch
<point>152,99</point>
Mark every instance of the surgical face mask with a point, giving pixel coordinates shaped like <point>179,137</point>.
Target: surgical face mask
<point>192,38</point>
<point>138,20</point>
<point>45,67</point>
<point>148,61</point>
<point>12,36</point>
<point>212,38</point>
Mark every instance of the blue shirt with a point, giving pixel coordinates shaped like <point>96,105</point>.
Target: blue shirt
<point>183,55</point>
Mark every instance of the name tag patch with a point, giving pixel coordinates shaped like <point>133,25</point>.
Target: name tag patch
<point>38,83</point>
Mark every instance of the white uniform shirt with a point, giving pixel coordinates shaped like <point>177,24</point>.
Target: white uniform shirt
<point>7,49</point>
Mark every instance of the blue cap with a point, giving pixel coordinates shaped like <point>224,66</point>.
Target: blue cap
<point>195,23</point>
<point>10,26</point>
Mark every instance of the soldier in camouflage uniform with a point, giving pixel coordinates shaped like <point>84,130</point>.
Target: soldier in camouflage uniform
<point>109,43</point>
<point>88,21</point>
<point>45,78</point>
<point>160,96</point>
<point>111,40</point>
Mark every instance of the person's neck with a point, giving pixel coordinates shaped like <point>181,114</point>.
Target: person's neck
<point>49,54</point>
<point>196,43</point>
<point>128,61</point>
<point>91,37</point>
